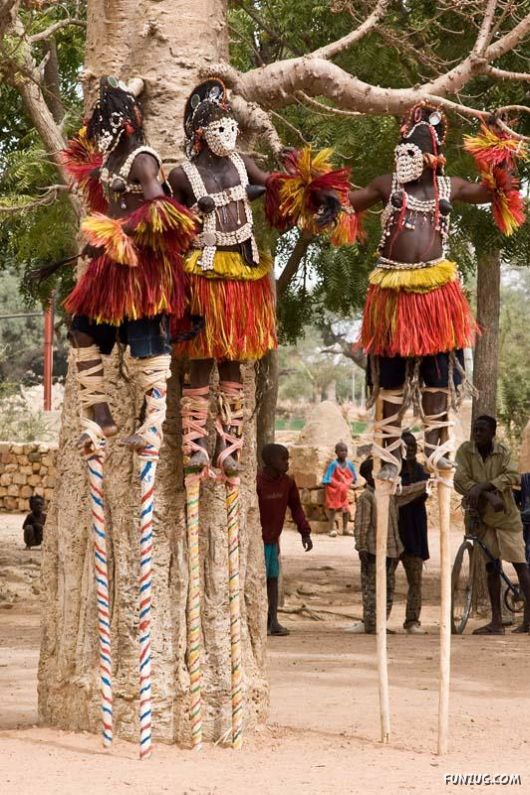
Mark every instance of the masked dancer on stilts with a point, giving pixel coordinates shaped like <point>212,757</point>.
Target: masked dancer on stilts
<point>230,282</point>
<point>417,319</point>
<point>133,282</point>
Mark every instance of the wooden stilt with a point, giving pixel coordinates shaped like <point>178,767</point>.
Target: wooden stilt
<point>444,502</point>
<point>383,491</point>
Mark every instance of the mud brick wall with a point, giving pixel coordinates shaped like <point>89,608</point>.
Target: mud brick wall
<point>26,469</point>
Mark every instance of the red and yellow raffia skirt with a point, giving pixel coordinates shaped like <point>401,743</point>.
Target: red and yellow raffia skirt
<point>109,292</point>
<point>237,304</point>
<point>416,312</point>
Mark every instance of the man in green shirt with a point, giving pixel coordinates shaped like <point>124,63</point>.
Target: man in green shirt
<point>485,475</point>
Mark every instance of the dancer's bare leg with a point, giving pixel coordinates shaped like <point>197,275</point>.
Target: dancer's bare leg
<point>99,412</point>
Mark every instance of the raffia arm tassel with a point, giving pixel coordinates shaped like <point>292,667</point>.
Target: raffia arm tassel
<point>496,155</point>
<point>295,196</point>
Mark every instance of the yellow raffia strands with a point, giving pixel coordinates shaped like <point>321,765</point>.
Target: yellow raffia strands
<point>162,217</point>
<point>229,265</point>
<point>415,280</point>
<point>487,140</point>
<point>100,230</point>
<point>292,193</point>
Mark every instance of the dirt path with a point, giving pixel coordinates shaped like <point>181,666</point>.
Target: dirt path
<point>323,728</point>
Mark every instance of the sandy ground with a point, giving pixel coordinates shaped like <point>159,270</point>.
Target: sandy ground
<point>322,734</point>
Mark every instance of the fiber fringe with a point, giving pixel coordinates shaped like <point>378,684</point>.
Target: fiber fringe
<point>496,154</point>
<point>415,280</point>
<point>293,196</point>
<point>229,265</point>
<point>402,323</point>
<point>82,163</point>
<point>240,319</point>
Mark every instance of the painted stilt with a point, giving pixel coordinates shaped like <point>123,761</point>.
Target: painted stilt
<point>232,510</point>
<point>95,475</point>
<point>192,483</point>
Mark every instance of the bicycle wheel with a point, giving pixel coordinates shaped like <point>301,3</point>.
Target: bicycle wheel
<point>461,588</point>
<point>514,601</point>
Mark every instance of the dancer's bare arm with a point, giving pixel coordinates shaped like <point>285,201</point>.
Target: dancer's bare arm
<point>377,191</point>
<point>145,169</point>
<point>462,190</point>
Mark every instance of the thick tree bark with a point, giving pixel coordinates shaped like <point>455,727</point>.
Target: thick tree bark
<point>486,358</point>
<point>167,43</point>
<point>267,377</point>
<point>485,372</point>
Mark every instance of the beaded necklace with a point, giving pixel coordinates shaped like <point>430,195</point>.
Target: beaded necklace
<point>404,207</point>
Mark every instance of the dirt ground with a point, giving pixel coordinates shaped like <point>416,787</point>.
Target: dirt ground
<point>323,729</point>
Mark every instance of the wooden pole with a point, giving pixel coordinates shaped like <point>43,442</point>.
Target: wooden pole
<point>383,491</point>
<point>444,503</point>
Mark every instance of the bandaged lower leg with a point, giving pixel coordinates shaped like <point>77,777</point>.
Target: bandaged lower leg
<point>96,420</point>
<point>387,435</point>
<point>229,426</point>
<point>194,407</point>
<point>438,441</point>
<point>151,375</point>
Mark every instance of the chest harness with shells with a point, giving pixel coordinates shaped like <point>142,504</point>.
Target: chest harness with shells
<point>402,211</point>
<point>117,183</point>
<point>211,236</point>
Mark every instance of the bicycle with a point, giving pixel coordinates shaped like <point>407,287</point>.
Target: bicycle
<point>462,583</point>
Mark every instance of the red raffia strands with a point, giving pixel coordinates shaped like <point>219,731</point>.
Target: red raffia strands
<point>82,162</point>
<point>507,203</point>
<point>240,319</point>
<point>163,225</point>
<point>494,147</point>
<point>140,274</point>
<point>292,196</point>
<point>108,292</point>
<point>400,323</point>
<point>496,154</point>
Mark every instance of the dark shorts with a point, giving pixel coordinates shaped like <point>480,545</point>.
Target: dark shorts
<point>146,337</point>
<point>394,371</point>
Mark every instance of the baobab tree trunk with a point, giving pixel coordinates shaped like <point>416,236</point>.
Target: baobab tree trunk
<point>486,358</point>
<point>485,372</point>
<point>167,44</point>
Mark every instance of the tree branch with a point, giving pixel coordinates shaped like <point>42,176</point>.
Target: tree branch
<point>257,121</point>
<point>297,254</point>
<point>507,42</point>
<point>48,197</point>
<point>52,30</point>
<point>504,74</point>
<point>336,47</point>
<point>485,32</point>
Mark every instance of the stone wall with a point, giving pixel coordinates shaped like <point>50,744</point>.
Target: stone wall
<point>26,469</point>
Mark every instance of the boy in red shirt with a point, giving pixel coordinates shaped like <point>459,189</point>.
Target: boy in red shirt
<point>277,491</point>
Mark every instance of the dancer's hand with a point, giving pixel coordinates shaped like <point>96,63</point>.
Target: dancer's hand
<point>307,543</point>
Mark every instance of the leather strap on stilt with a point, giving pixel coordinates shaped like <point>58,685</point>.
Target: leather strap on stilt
<point>91,392</point>
<point>194,407</point>
<point>151,375</point>
<point>434,422</point>
<point>229,422</point>
<point>387,429</point>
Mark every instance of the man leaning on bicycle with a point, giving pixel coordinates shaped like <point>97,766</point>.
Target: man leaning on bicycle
<point>485,475</point>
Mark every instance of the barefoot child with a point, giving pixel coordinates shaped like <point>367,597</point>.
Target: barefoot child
<point>277,491</point>
<point>338,479</point>
<point>33,526</point>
